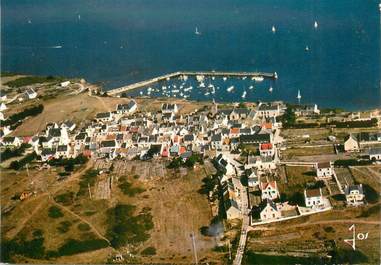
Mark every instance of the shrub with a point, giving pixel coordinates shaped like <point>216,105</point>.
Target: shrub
<point>18,164</point>
<point>73,246</point>
<point>64,227</point>
<point>16,119</point>
<point>30,80</point>
<point>127,189</point>
<point>55,212</point>
<point>66,198</point>
<point>125,227</point>
<point>9,153</point>
<point>150,251</point>
<point>83,227</point>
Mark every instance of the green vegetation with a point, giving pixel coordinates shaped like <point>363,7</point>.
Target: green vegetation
<point>73,246</point>
<point>127,189</point>
<point>178,162</point>
<point>150,251</point>
<point>55,212</point>
<point>88,178</point>
<point>374,210</point>
<point>16,119</point>
<point>351,162</point>
<point>125,227</point>
<point>29,248</point>
<point>371,194</point>
<point>288,119</point>
<point>9,153</point>
<point>6,74</point>
<point>64,227</point>
<point>66,198</point>
<point>348,256</point>
<point>83,227</point>
<point>19,164</point>
<point>30,80</point>
<point>68,164</point>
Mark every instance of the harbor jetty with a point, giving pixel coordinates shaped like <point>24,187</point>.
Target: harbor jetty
<point>141,84</point>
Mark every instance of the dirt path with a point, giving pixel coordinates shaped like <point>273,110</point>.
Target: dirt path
<point>20,226</point>
<point>74,177</point>
<point>80,218</point>
<point>343,221</point>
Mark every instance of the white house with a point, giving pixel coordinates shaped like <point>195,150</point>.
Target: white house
<point>104,116</point>
<point>252,178</point>
<point>269,190</point>
<point>313,197</point>
<point>169,108</point>
<point>375,154</point>
<point>130,107</point>
<point>354,195</point>
<point>30,93</point>
<point>268,110</point>
<point>324,170</point>
<point>224,165</point>
<point>62,151</point>
<point>3,107</point>
<point>270,212</point>
<point>232,209</point>
<point>351,144</point>
<point>266,149</point>
<point>65,84</point>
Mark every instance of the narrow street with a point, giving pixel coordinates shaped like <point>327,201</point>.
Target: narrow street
<point>245,225</point>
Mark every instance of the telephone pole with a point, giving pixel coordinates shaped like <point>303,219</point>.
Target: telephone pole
<point>194,248</point>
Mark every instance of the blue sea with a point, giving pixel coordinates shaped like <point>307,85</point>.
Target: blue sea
<point>119,42</point>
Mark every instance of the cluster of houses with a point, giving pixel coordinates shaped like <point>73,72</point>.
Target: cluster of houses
<point>219,133</point>
<point>126,133</point>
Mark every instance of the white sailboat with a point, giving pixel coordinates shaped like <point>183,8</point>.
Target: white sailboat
<point>251,87</point>
<point>271,89</point>
<point>316,25</point>
<point>224,78</point>
<point>244,94</point>
<point>273,29</point>
<point>275,75</point>
<point>257,78</point>
<point>230,89</point>
<point>299,97</point>
<point>197,32</point>
<point>307,48</point>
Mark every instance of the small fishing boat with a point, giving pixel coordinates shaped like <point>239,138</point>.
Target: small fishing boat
<point>271,89</point>
<point>258,78</point>
<point>224,78</point>
<point>207,94</point>
<point>243,78</point>
<point>275,75</point>
<point>316,25</point>
<point>197,32</point>
<point>307,48</point>
<point>273,29</point>
<point>202,84</point>
<point>244,94</point>
<point>230,89</point>
<point>251,87</point>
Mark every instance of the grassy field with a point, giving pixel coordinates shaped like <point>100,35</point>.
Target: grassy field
<point>315,235</point>
<point>297,179</point>
<point>172,200</point>
<point>308,151</point>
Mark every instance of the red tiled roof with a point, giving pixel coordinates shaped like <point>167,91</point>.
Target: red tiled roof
<point>182,150</point>
<point>234,130</point>
<point>272,184</point>
<point>267,125</point>
<point>266,146</point>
